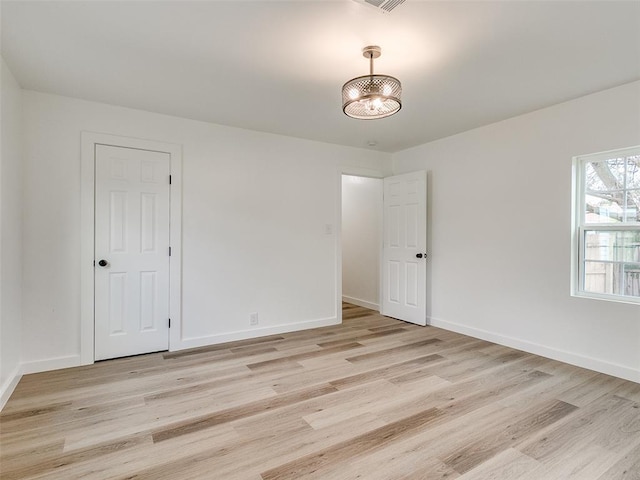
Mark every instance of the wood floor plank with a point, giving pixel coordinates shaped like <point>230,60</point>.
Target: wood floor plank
<point>383,372</point>
<point>289,449</point>
<point>507,464</point>
<point>390,351</point>
<point>591,389</point>
<point>604,422</point>
<point>393,464</point>
<point>55,462</point>
<point>362,338</point>
<point>225,346</point>
<point>627,468</point>
<point>582,461</point>
<point>473,454</point>
<point>237,413</point>
<point>373,398</point>
<point>358,402</point>
<point>628,390</point>
<point>302,356</point>
<point>356,446</point>
<point>248,456</point>
<point>457,399</point>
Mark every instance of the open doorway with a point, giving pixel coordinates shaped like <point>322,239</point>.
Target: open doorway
<point>361,240</point>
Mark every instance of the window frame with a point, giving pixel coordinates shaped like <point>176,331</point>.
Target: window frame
<point>580,227</point>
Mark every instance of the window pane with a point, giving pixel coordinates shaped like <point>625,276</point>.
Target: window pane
<point>606,207</point>
<point>612,192</point>
<point>612,246</point>
<point>607,278</point>
<point>602,277</point>
<point>612,278</point>
<point>632,212</point>
<point>605,175</point>
<point>633,171</point>
<point>632,280</point>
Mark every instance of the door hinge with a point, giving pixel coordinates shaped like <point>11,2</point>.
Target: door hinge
<point>169,323</point>
<point>169,179</point>
<point>169,251</point>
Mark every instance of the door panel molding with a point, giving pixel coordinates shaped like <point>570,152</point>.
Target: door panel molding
<point>87,234</point>
<point>132,290</point>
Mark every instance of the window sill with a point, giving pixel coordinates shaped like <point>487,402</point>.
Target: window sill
<point>607,298</point>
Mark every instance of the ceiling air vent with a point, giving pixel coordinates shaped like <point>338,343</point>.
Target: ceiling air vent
<point>382,5</point>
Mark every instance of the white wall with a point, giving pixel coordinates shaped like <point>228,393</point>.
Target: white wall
<point>500,232</point>
<point>361,240</point>
<point>256,206</point>
<point>10,232</point>
<point>255,210</point>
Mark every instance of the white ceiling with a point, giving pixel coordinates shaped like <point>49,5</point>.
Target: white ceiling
<point>277,66</point>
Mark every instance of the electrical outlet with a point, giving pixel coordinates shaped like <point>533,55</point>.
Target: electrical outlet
<point>253,318</point>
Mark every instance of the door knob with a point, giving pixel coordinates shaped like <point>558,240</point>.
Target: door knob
<point>103,263</point>
<point>420,255</point>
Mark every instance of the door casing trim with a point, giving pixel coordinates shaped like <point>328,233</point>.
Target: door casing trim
<point>358,172</point>
<point>87,234</point>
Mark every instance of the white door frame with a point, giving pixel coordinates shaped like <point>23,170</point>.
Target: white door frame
<point>87,234</point>
<point>365,172</point>
<point>358,172</point>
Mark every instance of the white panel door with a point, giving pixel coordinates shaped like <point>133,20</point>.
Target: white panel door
<point>404,262</point>
<point>131,251</point>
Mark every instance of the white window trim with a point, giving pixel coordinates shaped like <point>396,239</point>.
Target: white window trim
<point>578,225</point>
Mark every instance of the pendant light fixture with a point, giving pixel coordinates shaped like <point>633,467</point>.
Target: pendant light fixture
<point>371,96</point>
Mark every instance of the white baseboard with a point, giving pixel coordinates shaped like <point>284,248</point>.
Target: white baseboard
<point>57,363</point>
<point>204,341</point>
<point>361,303</point>
<point>75,360</point>
<point>9,386</point>
<point>589,363</point>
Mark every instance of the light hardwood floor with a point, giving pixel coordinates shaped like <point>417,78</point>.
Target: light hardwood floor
<point>372,399</point>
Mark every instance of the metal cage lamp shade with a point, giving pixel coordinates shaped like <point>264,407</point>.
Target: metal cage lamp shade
<point>371,96</point>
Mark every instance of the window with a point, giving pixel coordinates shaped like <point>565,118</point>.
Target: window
<point>607,220</point>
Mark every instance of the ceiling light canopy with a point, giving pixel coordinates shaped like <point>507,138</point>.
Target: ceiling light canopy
<point>371,96</point>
